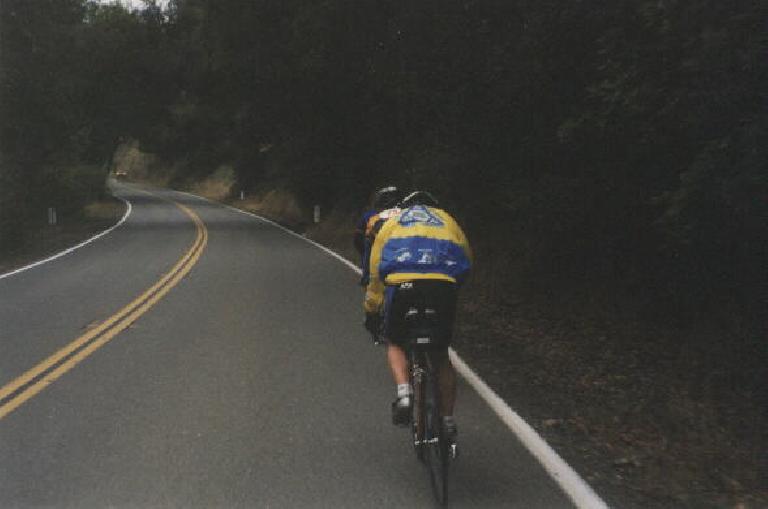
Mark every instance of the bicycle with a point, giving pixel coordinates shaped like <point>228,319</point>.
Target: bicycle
<point>425,349</point>
<point>430,444</point>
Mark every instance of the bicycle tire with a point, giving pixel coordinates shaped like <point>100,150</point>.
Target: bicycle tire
<point>417,416</point>
<point>435,448</point>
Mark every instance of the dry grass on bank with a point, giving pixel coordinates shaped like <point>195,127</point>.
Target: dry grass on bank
<point>217,186</point>
<point>336,231</point>
<point>44,240</point>
<point>139,166</point>
<point>104,210</point>
<point>280,206</point>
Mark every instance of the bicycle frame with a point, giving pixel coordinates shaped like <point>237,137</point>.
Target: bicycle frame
<point>429,444</point>
<point>425,340</point>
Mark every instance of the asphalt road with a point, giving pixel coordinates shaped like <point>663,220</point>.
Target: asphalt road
<point>250,383</point>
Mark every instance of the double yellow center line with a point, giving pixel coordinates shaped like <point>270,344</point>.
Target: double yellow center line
<point>26,386</point>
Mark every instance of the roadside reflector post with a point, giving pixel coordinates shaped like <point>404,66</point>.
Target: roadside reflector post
<point>242,195</point>
<point>317,214</point>
<point>52,219</point>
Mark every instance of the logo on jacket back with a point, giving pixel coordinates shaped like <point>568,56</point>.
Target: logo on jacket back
<point>403,255</point>
<point>419,214</point>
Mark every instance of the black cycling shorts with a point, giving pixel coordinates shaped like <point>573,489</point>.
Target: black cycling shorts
<point>435,301</point>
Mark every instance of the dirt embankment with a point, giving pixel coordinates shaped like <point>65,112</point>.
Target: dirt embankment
<point>44,240</point>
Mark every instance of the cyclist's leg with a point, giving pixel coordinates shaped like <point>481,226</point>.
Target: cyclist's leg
<point>398,363</point>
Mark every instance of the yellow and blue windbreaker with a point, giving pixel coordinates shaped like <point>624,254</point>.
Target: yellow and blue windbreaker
<point>418,243</point>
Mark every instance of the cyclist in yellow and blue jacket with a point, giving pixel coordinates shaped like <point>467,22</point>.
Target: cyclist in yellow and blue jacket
<point>382,204</point>
<point>421,245</point>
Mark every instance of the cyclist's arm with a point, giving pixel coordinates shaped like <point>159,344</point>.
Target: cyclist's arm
<point>361,228</point>
<point>374,294</point>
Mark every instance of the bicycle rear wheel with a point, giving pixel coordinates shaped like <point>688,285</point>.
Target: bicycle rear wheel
<point>435,450</point>
<point>418,423</point>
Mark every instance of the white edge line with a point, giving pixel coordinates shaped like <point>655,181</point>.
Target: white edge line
<point>576,488</point>
<point>580,493</point>
<point>277,225</point>
<point>127,213</point>
<point>302,237</point>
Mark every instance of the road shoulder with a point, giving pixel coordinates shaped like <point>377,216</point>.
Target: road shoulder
<point>45,240</point>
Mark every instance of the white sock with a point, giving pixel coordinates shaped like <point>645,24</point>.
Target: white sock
<point>404,390</point>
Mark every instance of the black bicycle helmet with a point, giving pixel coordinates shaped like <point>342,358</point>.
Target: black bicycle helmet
<point>386,197</point>
<point>419,198</point>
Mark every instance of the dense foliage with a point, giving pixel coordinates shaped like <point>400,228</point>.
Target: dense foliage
<point>612,141</point>
<point>76,77</point>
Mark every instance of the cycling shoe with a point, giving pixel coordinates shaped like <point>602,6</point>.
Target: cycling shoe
<point>401,411</point>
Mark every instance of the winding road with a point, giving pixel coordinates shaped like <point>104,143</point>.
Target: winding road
<point>199,357</point>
